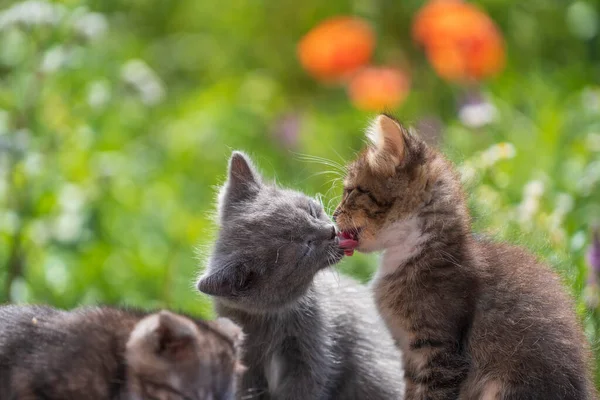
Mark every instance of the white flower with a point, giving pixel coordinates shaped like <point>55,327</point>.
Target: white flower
<point>582,20</point>
<point>91,25</point>
<point>590,178</point>
<point>564,204</point>
<point>56,273</point>
<point>53,59</point>
<point>31,13</point>
<point>532,192</point>
<point>39,232</point>
<point>138,74</point>
<point>534,189</point>
<point>467,173</point>
<point>98,94</point>
<point>33,163</point>
<point>476,115</point>
<point>68,226</point>
<point>578,240</point>
<point>71,198</point>
<point>497,152</point>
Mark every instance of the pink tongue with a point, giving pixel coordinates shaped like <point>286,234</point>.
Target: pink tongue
<point>349,252</point>
<point>348,244</point>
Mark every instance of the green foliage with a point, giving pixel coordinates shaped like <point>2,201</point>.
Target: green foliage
<point>117,117</point>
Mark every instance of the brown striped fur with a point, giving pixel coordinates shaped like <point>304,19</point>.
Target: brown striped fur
<point>475,319</point>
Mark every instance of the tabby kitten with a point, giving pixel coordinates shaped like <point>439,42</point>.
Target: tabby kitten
<point>309,334</point>
<point>114,354</point>
<point>475,319</point>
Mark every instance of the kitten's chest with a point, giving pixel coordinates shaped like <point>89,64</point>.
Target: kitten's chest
<point>397,301</point>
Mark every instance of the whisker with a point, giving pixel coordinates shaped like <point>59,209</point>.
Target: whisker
<point>338,154</point>
<point>329,204</point>
<point>320,160</point>
<point>327,172</point>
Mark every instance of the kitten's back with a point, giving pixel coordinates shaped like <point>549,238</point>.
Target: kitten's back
<point>524,308</point>
<point>92,353</point>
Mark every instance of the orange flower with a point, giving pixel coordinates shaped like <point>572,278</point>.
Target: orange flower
<point>461,42</point>
<point>336,47</point>
<point>378,88</point>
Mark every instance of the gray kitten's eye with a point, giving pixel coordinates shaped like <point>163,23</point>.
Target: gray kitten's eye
<point>313,209</point>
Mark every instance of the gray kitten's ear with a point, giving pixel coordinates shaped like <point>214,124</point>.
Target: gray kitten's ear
<point>243,180</point>
<point>229,280</point>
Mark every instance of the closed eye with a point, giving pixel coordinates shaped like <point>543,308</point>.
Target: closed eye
<point>362,191</point>
<point>308,246</point>
<point>314,210</point>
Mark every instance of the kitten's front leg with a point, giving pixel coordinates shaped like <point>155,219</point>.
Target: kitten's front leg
<point>293,377</point>
<point>301,385</point>
<point>253,385</point>
<point>434,373</point>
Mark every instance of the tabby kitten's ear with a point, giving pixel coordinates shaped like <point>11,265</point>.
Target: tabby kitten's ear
<point>388,145</point>
<point>163,335</point>
<point>225,280</point>
<point>243,180</point>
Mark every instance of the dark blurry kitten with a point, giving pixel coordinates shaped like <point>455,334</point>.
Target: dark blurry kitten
<point>106,353</point>
<point>475,319</point>
<point>308,334</point>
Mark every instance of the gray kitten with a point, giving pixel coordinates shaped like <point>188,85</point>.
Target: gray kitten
<point>309,334</point>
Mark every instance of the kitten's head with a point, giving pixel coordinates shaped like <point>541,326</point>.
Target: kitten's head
<point>393,188</point>
<point>271,242</point>
<point>172,357</point>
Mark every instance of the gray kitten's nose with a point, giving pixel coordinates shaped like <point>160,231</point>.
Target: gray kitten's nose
<point>333,232</point>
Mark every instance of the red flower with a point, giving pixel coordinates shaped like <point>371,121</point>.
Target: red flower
<point>378,88</point>
<point>461,42</point>
<point>336,47</point>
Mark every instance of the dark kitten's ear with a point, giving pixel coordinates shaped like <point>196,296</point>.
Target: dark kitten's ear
<point>175,335</point>
<point>388,147</point>
<point>231,329</point>
<point>243,180</point>
<point>228,280</point>
<point>164,335</point>
<point>236,334</point>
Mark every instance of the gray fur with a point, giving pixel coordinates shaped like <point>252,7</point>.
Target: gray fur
<point>104,353</point>
<point>309,333</point>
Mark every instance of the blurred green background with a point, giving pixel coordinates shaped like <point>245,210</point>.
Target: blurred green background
<point>117,118</point>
